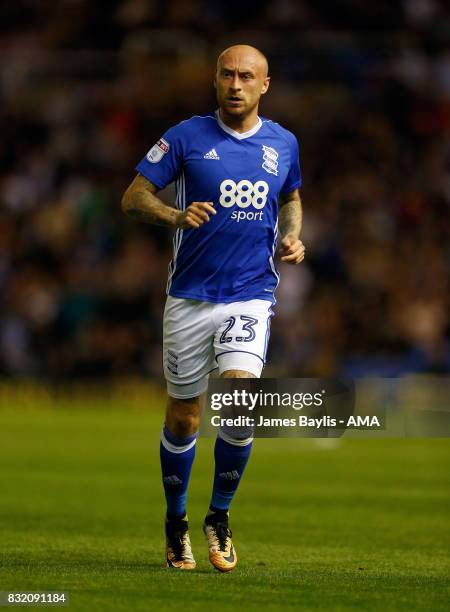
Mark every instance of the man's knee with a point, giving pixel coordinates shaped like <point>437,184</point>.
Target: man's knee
<point>237,374</point>
<point>183,416</point>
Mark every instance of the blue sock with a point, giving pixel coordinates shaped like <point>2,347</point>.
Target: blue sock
<point>231,460</point>
<point>177,456</point>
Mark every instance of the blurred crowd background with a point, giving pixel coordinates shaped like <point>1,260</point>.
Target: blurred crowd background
<point>86,88</point>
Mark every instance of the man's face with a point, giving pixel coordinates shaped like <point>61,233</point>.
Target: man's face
<point>240,81</point>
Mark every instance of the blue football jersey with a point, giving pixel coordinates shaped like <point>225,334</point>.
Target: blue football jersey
<point>231,257</point>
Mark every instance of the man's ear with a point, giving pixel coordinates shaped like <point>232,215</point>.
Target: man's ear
<point>265,86</point>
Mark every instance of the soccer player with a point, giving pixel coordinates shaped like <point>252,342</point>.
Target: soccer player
<point>237,187</point>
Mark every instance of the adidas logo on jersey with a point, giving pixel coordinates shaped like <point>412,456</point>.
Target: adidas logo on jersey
<point>211,155</point>
<point>173,480</point>
<point>234,475</point>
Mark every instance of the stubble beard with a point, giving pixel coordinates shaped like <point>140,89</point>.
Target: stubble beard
<point>237,113</point>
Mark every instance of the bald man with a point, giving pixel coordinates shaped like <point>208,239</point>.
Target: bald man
<point>237,179</point>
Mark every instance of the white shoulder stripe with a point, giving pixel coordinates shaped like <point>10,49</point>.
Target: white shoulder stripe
<point>197,117</point>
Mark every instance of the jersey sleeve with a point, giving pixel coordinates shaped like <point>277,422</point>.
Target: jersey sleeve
<point>163,162</point>
<point>294,177</point>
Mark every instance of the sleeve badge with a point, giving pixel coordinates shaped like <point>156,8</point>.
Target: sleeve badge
<point>158,150</point>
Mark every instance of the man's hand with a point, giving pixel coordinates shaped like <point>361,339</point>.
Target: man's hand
<point>195,215</point>
<point>292,250</point>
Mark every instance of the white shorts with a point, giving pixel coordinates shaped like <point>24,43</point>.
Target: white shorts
<point>201,336</point>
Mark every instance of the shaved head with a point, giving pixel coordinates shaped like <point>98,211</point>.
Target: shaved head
<point>241,80</point>
<point>248,54</point>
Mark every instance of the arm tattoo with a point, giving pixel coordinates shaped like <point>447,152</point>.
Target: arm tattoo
<point>290,217</point>
<point>141,203</point>
<point>147,208</point>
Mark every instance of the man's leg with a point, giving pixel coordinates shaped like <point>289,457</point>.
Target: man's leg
<point>177,451</point>
<point>240,345</point>
<point>231,456</point>
<point>188,357</point>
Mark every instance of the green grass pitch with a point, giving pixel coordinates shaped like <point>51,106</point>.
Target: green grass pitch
<point>360,526</point>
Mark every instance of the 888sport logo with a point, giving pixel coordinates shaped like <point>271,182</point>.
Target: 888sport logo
<point>244,194</point>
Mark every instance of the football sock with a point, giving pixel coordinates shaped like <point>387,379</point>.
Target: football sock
<point>177,457</point>
<point>231,457</point>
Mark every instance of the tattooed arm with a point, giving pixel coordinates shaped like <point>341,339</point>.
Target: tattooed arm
<point>141,203</point>
<point>290,225</point>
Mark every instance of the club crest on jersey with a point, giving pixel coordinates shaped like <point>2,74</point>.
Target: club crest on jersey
<point>270,160</point>
<point>158,150</point>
